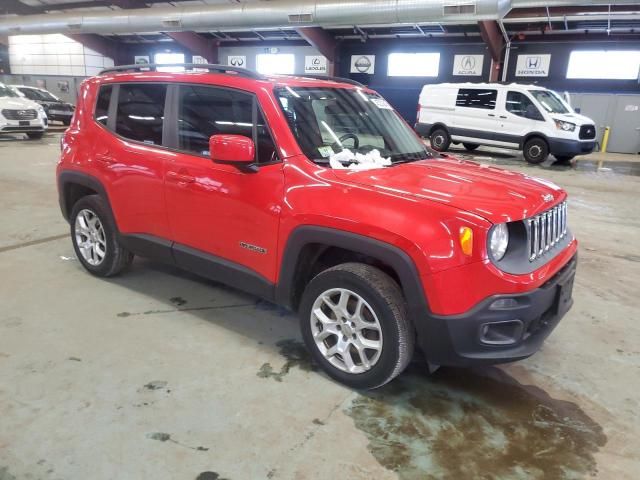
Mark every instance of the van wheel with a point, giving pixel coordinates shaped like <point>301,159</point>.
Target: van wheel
<point>440,140</point>
<point>35,135</point>
<point>354,322</point>
<point>535,150</point>
<point>93,233</point>
<point>470,146</point>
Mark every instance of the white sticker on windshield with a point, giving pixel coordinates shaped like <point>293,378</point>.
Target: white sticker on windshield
<point>325,151</point>
<point>381,103</point>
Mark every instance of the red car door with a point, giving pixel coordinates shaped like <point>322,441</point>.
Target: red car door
<point>218,210</point>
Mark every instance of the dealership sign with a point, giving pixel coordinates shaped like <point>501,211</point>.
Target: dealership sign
<point>315,64</point>
<point>237,61</point>
<point>363,64</point>
<point>470,65</point>
<point>533,65</point>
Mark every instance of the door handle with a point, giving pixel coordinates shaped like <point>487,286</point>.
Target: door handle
<point>503,116</point>
<point>491,114</point>
<point>180,177</point>
<point>105,158</point>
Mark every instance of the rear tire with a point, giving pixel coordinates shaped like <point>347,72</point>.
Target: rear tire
<point>94,237</point>
<point>440,140</point>
<point>535,150</point>
<point>470,146</point>
<point>35,135</point>
<point>351,310</point>
<point>66,122</point>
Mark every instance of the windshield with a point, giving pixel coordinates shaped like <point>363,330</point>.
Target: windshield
<point>7,92</point>
<point>43,95</point>
<point>326,121</point>
<point>550,101</point>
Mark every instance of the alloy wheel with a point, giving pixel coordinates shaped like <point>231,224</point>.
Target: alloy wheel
<point>90,237</point>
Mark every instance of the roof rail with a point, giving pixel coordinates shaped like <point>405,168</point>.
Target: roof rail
<point>187,66</point>
<point>334,79</point>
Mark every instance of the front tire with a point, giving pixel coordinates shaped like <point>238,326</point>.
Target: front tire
<point>440,140</point>
<point>354,322</point>
<point>535,150</point>
<point>564,159</point>
<point>470,146</point>
<point>94,237</point>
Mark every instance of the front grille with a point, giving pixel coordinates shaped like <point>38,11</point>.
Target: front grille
<point>19,114</point>
<point>587,132</point>
<point>547,229</point>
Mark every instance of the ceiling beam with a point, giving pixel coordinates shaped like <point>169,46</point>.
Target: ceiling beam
<point>492,36</point>
<point>560,11</point>
<point>197,44</point>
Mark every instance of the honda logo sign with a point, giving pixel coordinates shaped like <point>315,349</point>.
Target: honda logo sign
<point>533,65</point>
<point>468,65</point>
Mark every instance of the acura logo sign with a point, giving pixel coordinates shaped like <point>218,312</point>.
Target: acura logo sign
<point>468,62</point>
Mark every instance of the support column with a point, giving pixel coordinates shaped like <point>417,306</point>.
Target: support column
<point>324,42</point>
<point>492,36</point>
<point>197,44</point>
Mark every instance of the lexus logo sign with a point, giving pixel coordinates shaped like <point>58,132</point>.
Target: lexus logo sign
<point>533,65</point>
<point>468,65</point>
<point>316,64</point>
<point>363,64</point>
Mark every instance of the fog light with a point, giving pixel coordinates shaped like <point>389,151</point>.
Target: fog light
<point>506,332</point>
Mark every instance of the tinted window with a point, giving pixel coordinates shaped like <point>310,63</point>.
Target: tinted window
<point>141,112</point>
<point>477,98</point>
<point>102,104</point>
<point>266,147</point>
<point>521,105</point>
<point>30,94</point>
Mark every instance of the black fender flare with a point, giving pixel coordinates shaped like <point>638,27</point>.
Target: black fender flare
<point>391,255</point>
<point>69,177</point>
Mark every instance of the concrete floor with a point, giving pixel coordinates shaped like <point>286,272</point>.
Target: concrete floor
<point>158,374</point>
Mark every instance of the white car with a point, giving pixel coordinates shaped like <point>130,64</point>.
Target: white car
<point>522,117</point>
<point>21,115</point>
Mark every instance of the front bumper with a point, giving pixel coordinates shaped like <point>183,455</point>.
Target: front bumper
<point>513,331</point>
<point>561,146</point>
<point>25,126</point>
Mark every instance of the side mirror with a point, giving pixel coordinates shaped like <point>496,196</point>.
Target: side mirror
<point>577,109</point>
<point>233,149</point>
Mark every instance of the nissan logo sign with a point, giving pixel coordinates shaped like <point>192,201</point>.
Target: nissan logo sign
<point>362,64</point>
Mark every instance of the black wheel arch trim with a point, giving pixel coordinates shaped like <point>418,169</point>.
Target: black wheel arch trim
<point>69,177</point>
<point>530,135</point>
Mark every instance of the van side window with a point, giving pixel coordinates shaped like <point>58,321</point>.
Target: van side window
<point>521,105</point>
<point>102,104</point>
<point>206,111</point>
<point>140,114</point>
<point>477,98</point>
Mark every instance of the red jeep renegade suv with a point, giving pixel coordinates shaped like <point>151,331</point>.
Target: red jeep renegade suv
<point>314,194</point>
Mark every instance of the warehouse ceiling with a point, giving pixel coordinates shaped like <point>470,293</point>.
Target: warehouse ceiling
<point>518,22</point>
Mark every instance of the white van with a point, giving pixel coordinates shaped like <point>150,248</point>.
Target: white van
<point>21,115</point>
<point>522,117</point>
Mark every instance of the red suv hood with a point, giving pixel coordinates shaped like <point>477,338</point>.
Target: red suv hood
<point>492,193</point>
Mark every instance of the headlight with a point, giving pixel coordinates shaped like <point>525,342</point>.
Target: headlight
<point>566,126</point>
<point>498,241</point>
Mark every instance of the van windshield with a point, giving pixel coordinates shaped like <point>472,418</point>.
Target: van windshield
<point>328,120</point>
<point>550,101</point>
<point>7,92</point>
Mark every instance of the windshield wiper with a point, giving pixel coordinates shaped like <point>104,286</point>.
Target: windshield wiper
<point>409,157</point>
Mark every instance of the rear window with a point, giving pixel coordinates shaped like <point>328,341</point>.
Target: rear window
<point>102,104</point>
<point>477,98</point>
<point>140,114</point>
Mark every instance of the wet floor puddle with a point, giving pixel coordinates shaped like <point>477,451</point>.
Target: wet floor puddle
<point>475,424</point>
<point>464,423</point>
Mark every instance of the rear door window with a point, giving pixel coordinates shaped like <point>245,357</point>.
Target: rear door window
<point>140,113</point>
<point>102,104</point>
<point>477,98</point>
